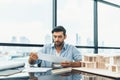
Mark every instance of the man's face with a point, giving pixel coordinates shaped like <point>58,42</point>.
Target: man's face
<point>59,38</point>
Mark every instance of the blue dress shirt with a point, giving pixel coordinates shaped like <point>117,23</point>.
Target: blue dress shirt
<point>68,51</point>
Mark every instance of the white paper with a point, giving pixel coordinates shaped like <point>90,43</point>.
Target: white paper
<point>62,70</point>
<point>20,75</point>
<point>9,72</point>
<point>11,64</point>
<point>36,69</point>
<point>15,76</point>
<point>52,58</point>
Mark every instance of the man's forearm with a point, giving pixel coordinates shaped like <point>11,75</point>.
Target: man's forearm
<point>75,64</point>
<point>71,64</point>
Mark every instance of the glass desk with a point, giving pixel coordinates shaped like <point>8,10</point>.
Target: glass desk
<point>73,75</point>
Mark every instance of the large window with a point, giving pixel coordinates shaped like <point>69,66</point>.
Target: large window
<point>29,22</point>
<point>77,17</point>
<point>108,25</point>
<point>25,21</point>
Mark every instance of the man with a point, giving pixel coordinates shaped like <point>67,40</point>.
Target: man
<point>59,48</point>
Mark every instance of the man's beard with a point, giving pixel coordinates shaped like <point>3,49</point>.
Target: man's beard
<point>59,44</point>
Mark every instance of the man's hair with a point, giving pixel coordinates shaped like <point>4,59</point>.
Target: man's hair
<point>59,29</point>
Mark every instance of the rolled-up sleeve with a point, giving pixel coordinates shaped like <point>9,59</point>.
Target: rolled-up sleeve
<point>76,54</point>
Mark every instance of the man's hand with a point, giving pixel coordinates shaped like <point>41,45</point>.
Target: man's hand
<point>71,64</point>
<point>66,64</point>
<point>33,57</point>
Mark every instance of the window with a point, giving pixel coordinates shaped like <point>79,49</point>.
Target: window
<point>108,25</point>
<point>77,17</point>
<point>25,21</point>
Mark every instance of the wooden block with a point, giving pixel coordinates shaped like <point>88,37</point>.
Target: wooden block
<point>100,65</point>
<point>116,60</point>
<point>107,60</point>
<point>88,64</point>
<point>90,58</point>
<point>115,68</point>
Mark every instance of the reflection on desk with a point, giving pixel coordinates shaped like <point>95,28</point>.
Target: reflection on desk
<point>73,75</point>
<point>49,76</point>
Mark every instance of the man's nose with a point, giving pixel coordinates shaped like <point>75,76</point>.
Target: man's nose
<point>56,39</point>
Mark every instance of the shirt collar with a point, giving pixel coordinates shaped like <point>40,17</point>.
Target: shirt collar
<point>64,46</point>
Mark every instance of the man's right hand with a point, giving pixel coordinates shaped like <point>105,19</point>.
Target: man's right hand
<point>33,57</point>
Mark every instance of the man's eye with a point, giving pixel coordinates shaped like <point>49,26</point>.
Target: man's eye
<point>54,36</point>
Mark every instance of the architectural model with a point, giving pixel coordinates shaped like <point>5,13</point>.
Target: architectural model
<point>102,61</point>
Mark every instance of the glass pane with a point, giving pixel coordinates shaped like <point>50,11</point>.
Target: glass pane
<point>25,21</point>
<point>108,25</point>
<point>77,17</point>
<point>109,51</point>
<point>114,1</point>
<point>8,53</point>
<point>86,51</point>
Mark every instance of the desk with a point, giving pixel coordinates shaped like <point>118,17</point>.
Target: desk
<point>73,75</point>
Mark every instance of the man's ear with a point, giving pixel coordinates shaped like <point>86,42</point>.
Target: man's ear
<point>65,36</point>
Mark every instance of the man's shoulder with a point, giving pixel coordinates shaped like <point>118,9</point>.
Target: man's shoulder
<point>69,45</point>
